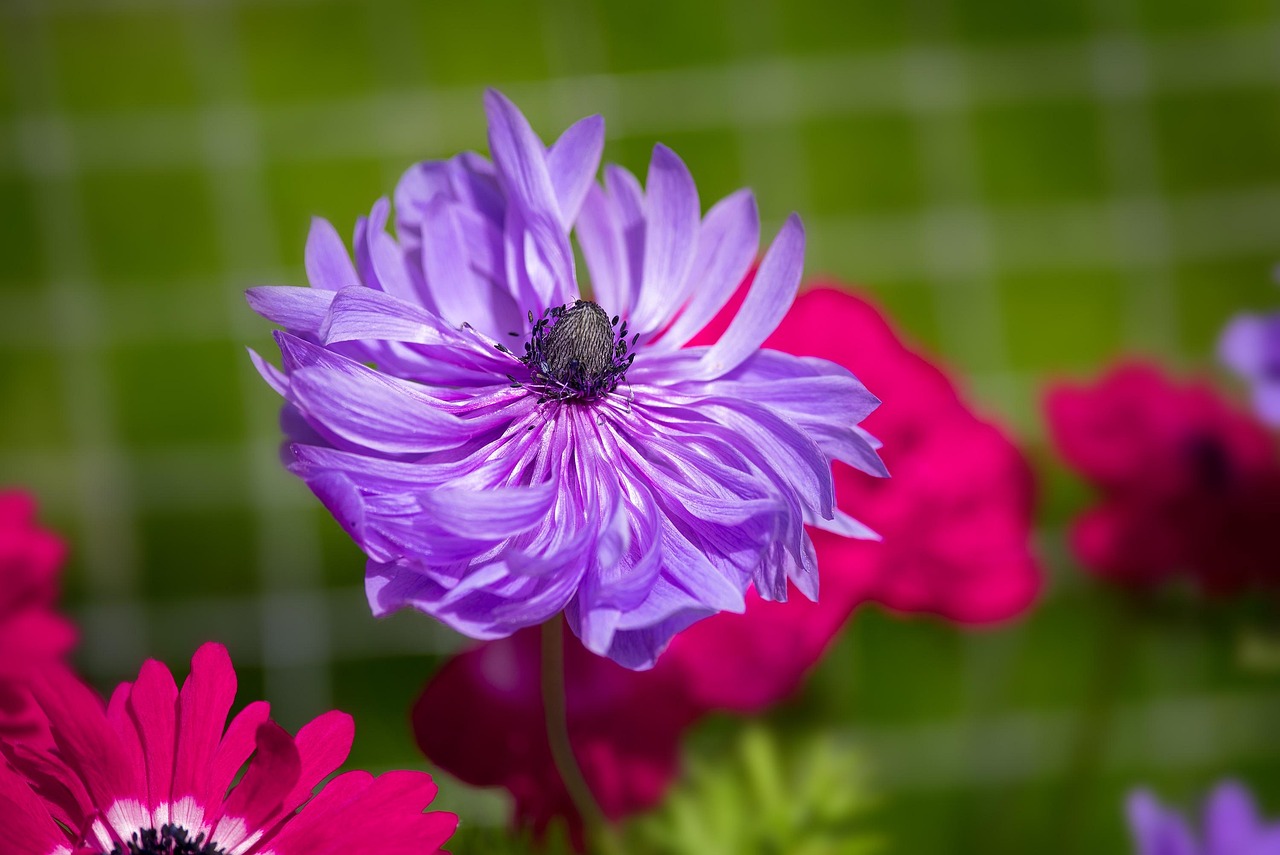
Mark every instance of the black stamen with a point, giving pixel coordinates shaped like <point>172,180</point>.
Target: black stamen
<point>167,840</point>
<point>574,353</point>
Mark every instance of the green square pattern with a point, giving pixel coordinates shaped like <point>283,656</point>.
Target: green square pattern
<point>1029,189</point>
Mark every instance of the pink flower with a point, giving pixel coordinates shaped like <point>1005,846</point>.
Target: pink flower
<point>956,522</point>
<point>32,633</point>
<point>481,719</point>
<point>1188,482</point>
<point>151,772</point>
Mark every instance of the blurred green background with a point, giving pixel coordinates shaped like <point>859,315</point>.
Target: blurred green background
<point>1031,189</point>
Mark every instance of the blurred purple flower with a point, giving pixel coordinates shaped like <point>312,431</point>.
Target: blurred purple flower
<point>1250,346</point>
<point>1231,826</point>
<point>519,450</point>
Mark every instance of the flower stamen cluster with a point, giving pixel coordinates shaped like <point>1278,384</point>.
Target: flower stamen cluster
<point>575,353</point>
<point>167,840</point>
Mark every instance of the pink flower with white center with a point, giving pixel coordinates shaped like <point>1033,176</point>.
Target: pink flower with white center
<point>149,773</point>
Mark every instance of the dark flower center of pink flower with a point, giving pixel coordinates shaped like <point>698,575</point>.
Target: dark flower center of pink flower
<point>167,840</point>
<point>1210,462</point>
<point>576,352</point>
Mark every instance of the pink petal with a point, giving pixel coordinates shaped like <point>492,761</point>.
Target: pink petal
<point>340,819</point>
<point>236,746</point>
<point>259,798</point>
<point>153,704</point>
<point>86,740</point>
<point>323,744</point>
<point>203,705</point>
<point>28,829</point>
<point>59,787</point>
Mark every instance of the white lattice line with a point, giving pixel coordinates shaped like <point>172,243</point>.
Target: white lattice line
<point>881,248</point>
<point>179,625</point>
<point>957,238</point>
<point>103,499</point>
<point>409,125</point>
<point>1172,733</point>
<point>1123,78</point>
<point>294,635</point>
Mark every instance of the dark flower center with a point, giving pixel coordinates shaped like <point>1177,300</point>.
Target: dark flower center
<point>1210,462</point>
<point>576,352</point>
<point>167,840</point>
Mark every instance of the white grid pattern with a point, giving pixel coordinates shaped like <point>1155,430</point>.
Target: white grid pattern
<point>296,630</point>
<point>104,502</point>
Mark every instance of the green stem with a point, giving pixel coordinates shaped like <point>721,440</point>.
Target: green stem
<point>553,703</point>
<point>1115,647</point>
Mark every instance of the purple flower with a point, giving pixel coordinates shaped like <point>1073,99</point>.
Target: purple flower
<point>1231,826</point>
<point>1250,346</point>
<point>522,449</point>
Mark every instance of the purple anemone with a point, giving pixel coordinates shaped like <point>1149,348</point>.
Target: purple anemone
<point>1250,346</point>
<point>1231,826</point>
<point>505,445</point>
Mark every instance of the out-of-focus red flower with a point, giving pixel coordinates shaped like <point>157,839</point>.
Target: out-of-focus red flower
<point>1188,482</point>
<point>481,719</point>
<point>955,520</point>
<point>32,633</point>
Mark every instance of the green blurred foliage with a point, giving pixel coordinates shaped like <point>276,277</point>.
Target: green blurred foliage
<point>806,798</point>
<point>1028,189</point>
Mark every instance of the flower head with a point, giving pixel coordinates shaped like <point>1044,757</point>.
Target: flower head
<point>1188,483</point>
<point>1250,346</point>
<point>523,447</point>
<point>956,520</point>
<point>150,772</point>
<point>481,718</point>
<point>32,634</point>
<point>1231,826</point>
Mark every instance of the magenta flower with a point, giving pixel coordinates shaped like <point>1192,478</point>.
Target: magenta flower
<point>1231,826</point>
<point>1250,346</point>
<point>956,520</point>
<point>481,719</point>
<point>33,635</point>
<point>1188,483</point>
<point>520,450</point>
<point>150,773</point>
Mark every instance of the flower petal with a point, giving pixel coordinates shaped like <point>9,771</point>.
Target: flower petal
<point>572,162</point>
<point>85,739</point>
<point>328,265</point>
<point>351,402</point>
<point>323,744</point>
<point>600,234</point>
<point>1156,830</point>
<point>671,237</point>
<point>519,155</point>
<point>727,244</point>
<point>301,311</point>
<point>28,827</point>
<point>203,704</point>
<point>1231,819</point>
<point>236,745</point>
<point>767,302</point>
<point>258,800</point>
<point>461,294</point>
<point>153,704</point>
